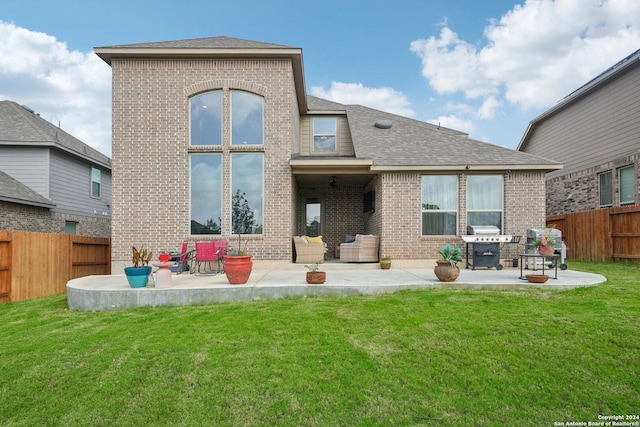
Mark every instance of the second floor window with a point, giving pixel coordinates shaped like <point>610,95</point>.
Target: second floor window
<point>96,181</point>
<point>246,118</point>
<point>206,118</point>
<point>324,135</point>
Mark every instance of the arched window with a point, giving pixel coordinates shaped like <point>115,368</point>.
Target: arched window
<point>247,118</point>
<point>206,118</point>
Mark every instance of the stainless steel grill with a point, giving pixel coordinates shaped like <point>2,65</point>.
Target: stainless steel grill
<point>485,245</point>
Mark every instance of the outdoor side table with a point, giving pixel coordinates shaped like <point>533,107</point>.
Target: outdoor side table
<point>163,274</point>
<point>554,263</point>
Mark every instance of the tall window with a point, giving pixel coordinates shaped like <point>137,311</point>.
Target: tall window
<point>324,134</point>
<point>247,184</point>
<point>246,118</point>
<point>606,189</point>
<point>206,118</point>
<point>485,200</point>
<point>439,205</point>
<point>206,193</point>
<point>627,185</point>
<point>96,181</point>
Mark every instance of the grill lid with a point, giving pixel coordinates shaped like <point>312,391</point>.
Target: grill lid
<point>485,230</point>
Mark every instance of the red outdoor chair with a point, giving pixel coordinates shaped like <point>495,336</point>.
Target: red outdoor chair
<point>221,247</point>
<point>205,254</point>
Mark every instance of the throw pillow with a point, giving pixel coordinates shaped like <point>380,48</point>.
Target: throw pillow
<point>314,239</point>
<point>304,239</point>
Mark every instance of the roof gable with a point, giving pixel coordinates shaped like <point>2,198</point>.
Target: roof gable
<point>11,190</point>
<point>21,126</point>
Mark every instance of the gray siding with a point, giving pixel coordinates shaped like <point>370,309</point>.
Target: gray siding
<point>29,166</point>
<point>343,138</point>
<point>71,187</point>
<point>601,127</point>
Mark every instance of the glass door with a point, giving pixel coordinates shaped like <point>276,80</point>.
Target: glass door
<point>313,217</point>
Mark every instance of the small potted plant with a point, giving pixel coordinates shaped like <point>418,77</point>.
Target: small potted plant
<point>385,262</point>
<point>447,269</point>
<point>546,244</point>
<point>314,276</point>
<point>138,275</point>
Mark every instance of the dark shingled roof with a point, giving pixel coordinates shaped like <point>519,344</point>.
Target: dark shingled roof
<point>14,191</point>
<point>319,104</point>
<point>20,126</point>
<point>411,142</point>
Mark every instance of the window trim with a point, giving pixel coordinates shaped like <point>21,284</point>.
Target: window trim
<point>600,189</point>
<point>501,210</point>
<point>633,184</point>
<point>314,135</point>
<point>99,182</point>
<point>456,211</point>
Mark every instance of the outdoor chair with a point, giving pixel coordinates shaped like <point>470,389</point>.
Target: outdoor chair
<point>205,254</point>
<point>308,252</point>
<point>363,249</point>
<point>184,258</point>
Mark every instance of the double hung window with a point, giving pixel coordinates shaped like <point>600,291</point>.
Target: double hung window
<point>606,189</point>
<point>485,200</point>
<point>324,135</point>
<point>627,185</point>
<point>439,205</point>
<point>96,182</point>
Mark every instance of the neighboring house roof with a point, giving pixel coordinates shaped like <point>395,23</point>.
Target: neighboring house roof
<point>413,144</point>
<point>218,47</point>
<point>14,191</point>
<point>604,78</point>
<point>22,126</point>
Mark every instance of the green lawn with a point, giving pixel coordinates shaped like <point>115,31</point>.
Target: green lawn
<point>439,357</point>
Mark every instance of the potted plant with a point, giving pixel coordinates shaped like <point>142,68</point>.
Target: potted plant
<point>447,269</point>
<point>385,262</point>
<point>546,244</point>
<point>138,275</point>
<point>237,264</point>
<point>314,276</point>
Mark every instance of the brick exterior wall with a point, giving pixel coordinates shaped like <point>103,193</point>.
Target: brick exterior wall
<point>579,191</point>
<point>151,149</point>
<point>31,218</point>
<point>524,201</point>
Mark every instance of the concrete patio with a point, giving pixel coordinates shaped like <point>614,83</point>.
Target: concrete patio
<point>103,293</point>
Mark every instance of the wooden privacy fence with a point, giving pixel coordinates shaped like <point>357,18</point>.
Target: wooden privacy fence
<point>38,264</point>
<point>611,234</point>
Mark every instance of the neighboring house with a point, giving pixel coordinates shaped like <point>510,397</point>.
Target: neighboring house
<point>216,136</point>
<point>595,133</point>
<point>50,181</point>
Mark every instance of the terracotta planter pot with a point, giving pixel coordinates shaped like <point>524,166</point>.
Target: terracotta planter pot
<point>537,278</point>
<point>546,250</point>
<point>385,265</point>
<point>237,269</point>
<point>445,273</point>
<point>316,277</point>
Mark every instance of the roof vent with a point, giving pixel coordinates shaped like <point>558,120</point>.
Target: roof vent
<point>383,124</point>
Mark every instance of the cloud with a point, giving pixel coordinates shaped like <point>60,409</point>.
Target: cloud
<point>535,54</point>
<point>65,87</point>
<point>384,98</point>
